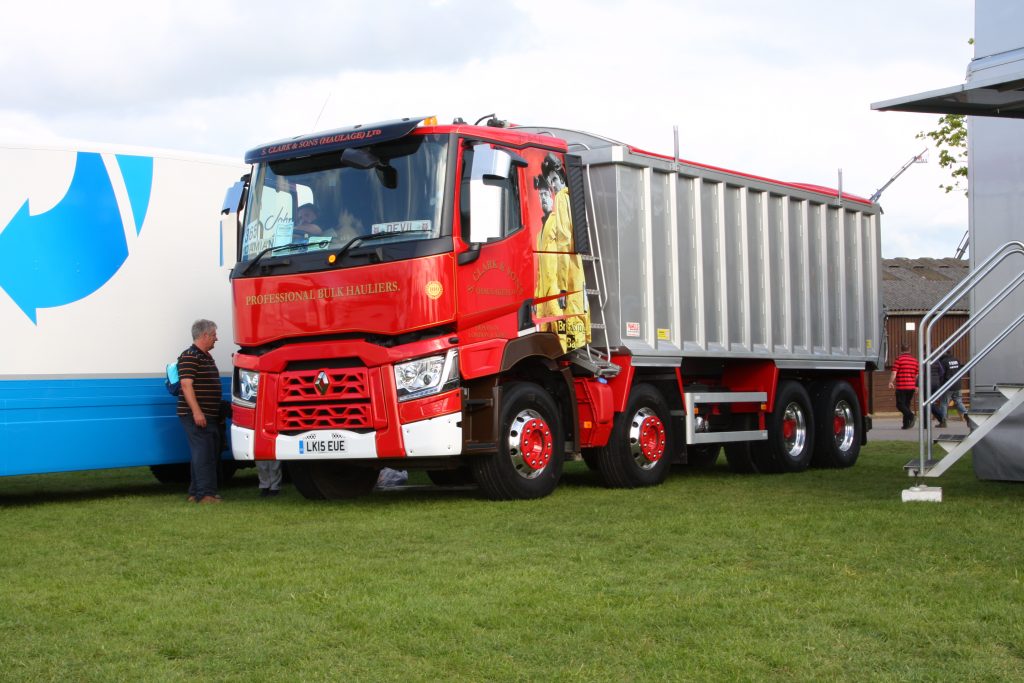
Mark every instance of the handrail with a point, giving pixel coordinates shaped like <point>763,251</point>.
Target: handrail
<point>924,342</point>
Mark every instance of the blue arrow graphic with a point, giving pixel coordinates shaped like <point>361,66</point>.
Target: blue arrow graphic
<point>72,250</point>
<point>138,179</point>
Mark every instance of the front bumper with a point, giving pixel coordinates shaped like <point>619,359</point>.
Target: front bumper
<point>434,437</point>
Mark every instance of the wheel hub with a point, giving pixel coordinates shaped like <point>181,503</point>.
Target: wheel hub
<point>647,438</point>
<point>843,428</point>
<point>535,444</point>
<point>530,443</point>
<point>794,429</point>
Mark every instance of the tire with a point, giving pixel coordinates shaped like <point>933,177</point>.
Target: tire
<point>181,472</point>
<point>838,425</point>
<point>528,463</point>
<point>462,476</point>
<point>637,453</point>
<point>740,454</point>
<point>332,479</point>
<point>174,473</point>
<point>790,442</point>
<point>302,479</point>
<point>590,458</point>
<point>225,471</point>
<point>703,457</point>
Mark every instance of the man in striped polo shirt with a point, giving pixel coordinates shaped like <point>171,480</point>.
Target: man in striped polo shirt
<point>199,410</point>
<point>904,381</point>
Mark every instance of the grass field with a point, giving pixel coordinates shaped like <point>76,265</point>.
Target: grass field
<point>820,576</point>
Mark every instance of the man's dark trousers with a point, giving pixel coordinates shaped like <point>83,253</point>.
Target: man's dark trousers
<point>204,443</point>
<point>903,400</point>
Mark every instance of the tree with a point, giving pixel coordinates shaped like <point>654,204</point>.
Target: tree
<point>950,138</point>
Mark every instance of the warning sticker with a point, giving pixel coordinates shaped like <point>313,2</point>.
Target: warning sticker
<point>632,329</point>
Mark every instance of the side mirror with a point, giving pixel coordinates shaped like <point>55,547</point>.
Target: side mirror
<point>486,193</point>
<point>233,197</point>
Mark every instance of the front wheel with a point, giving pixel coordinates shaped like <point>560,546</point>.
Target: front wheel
<point>838,425</point>
<point>528,463</point>
<point>636,451</point>
<point>331,479</point>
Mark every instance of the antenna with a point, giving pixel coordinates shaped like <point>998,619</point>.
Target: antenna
<point>317,122</point>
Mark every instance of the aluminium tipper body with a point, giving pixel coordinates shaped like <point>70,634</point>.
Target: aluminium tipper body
<point>703,262</point>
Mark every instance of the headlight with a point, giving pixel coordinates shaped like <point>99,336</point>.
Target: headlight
<point>247,383</point>
<point>427,376</point>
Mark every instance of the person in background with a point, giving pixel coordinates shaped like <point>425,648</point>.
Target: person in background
<point>904,382</point>
<point>937,373</point>
<point>952,366</point>
<point>269,474</point>
<point>199,408</point>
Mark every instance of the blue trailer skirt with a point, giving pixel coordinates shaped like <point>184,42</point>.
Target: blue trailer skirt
<point>62,425</point>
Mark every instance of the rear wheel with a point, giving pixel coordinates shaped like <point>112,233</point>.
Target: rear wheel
<point>838,425</point>
<point>528,463</point>
<point>181,472</point>
<point>703,456</point>
<point>741,454</point>
<point>174,473</point>
<point>636,451</point>
<point>790,431</point>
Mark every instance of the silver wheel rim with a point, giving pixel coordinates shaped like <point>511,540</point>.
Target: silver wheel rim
<point>842,426</point>
<point>794,430</point>
<point>529,432</point>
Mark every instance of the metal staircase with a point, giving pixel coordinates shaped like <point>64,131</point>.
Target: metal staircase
<point>981,421</point>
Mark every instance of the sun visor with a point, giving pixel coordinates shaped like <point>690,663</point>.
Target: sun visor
<point>330,141</point>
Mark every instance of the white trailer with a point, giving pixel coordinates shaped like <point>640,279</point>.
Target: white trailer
<point>107,255</point>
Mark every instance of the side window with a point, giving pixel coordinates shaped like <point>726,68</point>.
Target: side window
<point>490,206</point>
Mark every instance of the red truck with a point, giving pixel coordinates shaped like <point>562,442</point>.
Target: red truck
<point>485,301</point>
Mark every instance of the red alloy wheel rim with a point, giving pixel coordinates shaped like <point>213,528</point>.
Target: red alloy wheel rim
<point>535,444</point>
<point>652,439</point>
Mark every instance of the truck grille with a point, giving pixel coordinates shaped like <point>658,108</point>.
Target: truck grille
<point>331,398</point>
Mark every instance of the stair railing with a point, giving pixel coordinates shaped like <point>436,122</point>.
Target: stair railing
<point>928,355</point>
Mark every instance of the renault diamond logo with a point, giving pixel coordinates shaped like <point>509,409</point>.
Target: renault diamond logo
<point>322,382</point>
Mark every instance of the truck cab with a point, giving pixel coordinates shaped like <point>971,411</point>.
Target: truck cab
<point>386,276</point>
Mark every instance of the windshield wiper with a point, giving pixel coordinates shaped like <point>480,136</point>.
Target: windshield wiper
<point>363,238</point>
<point>269,250</point>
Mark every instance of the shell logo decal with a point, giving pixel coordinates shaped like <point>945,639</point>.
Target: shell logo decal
<point>434,290</point>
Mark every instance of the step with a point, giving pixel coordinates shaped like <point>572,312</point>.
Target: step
<point>590,257</point>
<point>913,467</point>
<point>1009,389</point>
<point>949,441</point>
<point>978,416</point>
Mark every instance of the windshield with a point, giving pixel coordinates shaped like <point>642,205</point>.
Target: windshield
<point>388,194</point>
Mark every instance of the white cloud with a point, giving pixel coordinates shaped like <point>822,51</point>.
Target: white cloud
<point>775,89</point>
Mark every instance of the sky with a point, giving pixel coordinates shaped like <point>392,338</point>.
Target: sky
<point>779,89</point>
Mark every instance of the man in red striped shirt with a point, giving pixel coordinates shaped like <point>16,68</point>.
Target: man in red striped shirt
<point>904,381</point>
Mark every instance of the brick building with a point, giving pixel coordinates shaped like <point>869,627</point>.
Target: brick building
<point>910,287</point>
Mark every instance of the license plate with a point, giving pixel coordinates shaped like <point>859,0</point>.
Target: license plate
<point>322,444</point>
